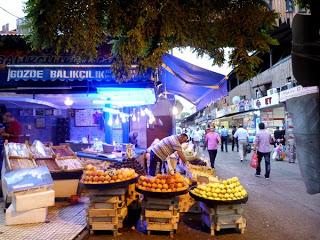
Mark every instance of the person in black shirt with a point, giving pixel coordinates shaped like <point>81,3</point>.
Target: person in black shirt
<point>234,140</point>
<point>279,136</point>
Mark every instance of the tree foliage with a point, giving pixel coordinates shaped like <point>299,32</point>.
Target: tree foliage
<point>141,31</point>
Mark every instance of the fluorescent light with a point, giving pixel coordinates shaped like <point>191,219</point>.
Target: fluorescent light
<point>111,110</point>
<point>126,96</point>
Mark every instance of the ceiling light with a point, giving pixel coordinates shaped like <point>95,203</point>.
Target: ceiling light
<point>110,122</point>
<point>117,121</point>
<point>175,110</point>
<point>68,101</point>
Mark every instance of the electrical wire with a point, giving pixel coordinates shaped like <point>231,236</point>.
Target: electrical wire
<point>10,13</point>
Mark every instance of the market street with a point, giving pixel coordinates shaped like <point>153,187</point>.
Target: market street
<point>278,208</point>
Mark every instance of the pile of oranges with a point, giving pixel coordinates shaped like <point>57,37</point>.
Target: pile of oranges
<point>93,176</point>
<point>163,183</point>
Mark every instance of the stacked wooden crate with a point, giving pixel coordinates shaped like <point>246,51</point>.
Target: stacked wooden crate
<point>187,203</point>
<point>107,210</point>
<point>132,194</point>
<point>160,214</point>
<point>223,216</point>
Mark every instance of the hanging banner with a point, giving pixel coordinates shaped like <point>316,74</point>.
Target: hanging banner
<point>297,91</point>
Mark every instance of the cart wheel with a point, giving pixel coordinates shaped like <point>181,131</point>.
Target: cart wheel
<point>91,232</point>
<point>115,233</point>
<point>242,230</point>
<point>212,232</point>
<point>171,234</point>
<point>149,232</point>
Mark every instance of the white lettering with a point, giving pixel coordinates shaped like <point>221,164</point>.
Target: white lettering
<point>59,74</point>
<point>82,74</point>
<point>53,74</point>
<point>26,74</point>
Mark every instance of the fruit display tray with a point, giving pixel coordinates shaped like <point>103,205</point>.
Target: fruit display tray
<point>110,185</point>
<point>212,203</point>
<point>161,194</point>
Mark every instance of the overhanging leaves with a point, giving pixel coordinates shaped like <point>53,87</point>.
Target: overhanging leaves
<point>142,31</point>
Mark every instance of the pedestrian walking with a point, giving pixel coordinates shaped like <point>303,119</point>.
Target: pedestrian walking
<point>197,138</point>
<point>234,139</point>
<point>212,140</point>
<point>262,145</point>
<point>243,139</point>
<point>224,138</point>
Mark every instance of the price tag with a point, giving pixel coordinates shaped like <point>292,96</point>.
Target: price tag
<point>202,179</point>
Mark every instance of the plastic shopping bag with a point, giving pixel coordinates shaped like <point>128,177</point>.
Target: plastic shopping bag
<point>274,154</point>
<point>254,161</point>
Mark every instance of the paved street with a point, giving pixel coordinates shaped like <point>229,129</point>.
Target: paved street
<point>278,208</point>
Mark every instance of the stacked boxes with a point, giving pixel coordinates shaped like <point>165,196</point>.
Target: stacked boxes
<point>30,206</point>
<point>161,214</point>
<point>223,216</point>
<point>107,210</point>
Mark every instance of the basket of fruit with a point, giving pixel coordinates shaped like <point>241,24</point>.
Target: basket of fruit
<point>162,186</point>
<point>198,162</point>
<point>111,178</point>
<point>225,192</point>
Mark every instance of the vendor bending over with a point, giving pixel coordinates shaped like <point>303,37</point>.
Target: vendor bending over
<point>167,146</point>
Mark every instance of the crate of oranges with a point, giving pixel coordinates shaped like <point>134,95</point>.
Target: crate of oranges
<point>162,185</point>
<point>112,177</point>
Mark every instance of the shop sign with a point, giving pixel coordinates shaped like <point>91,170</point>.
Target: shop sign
<point>244,105</point>
<point>297,92</point>
<point>60,72</point>
<point>267,101</point>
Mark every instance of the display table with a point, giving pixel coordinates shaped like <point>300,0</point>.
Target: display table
<point>104,156</point>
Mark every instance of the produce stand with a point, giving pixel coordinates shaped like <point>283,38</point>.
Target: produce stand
<point>66,179</point>
<point>219,215</point>
<point>160,202</point>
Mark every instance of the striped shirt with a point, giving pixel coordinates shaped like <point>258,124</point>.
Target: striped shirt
<point>166,147</point>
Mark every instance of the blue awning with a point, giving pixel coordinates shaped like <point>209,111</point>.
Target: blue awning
<point>198,85</point>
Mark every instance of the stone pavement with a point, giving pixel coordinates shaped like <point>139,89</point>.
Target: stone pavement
<point>278,208</point>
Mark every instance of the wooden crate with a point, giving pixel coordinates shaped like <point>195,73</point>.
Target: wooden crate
<point>107,209</point>
<point>223,216</point>
<point>160,204</point>
<point>222,209</point>
<point>160,214</point>
<point>186,202</point>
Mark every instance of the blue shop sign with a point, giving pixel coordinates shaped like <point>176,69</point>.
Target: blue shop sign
<point>62,72</point>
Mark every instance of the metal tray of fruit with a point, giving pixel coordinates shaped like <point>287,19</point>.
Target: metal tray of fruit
<point>110,185</point>
<point>210,202</point>
<point>161,194</point>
